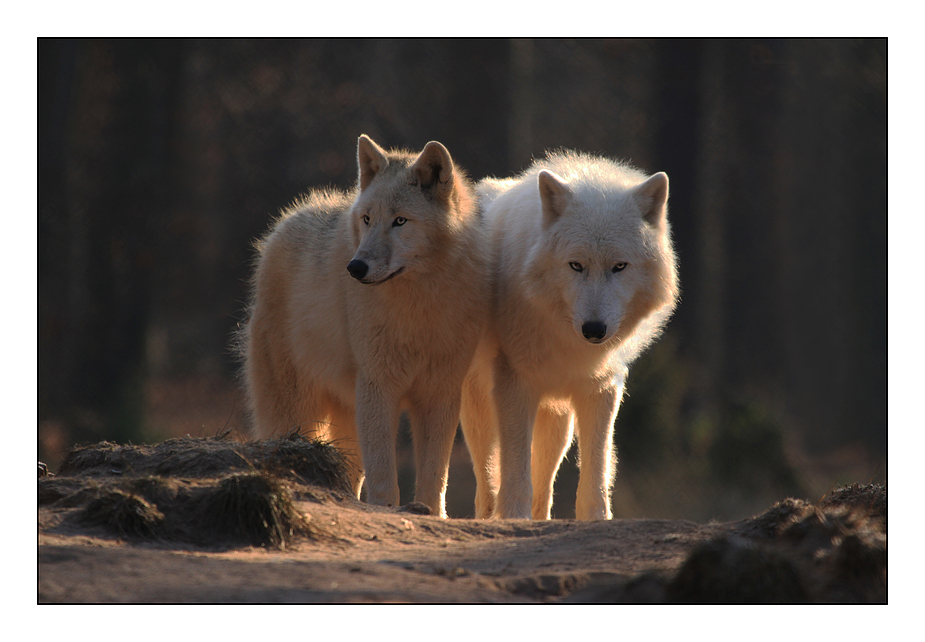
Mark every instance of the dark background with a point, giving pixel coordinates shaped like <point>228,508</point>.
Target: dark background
<point>160,161</point>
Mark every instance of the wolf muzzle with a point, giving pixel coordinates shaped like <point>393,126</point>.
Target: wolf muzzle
<point>359,269</point>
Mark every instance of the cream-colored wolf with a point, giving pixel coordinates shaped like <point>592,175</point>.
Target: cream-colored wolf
<point>366,304</point>
<point>584,278</point>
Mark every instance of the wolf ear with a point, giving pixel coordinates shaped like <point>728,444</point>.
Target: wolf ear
<point>651,197</point>
<point>434,170</point>
<point>371,160</point>
<point>554,194</point>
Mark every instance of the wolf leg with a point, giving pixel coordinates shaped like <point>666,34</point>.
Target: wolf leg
<point>433,428</point>
<point>377,425</point>
<point>479,424</point>
<point>595,418</point>
<point>552,436</point>
<point>343,435</point>
<point>517,406</point>
<point>272,384</point>
<point>280,407</point>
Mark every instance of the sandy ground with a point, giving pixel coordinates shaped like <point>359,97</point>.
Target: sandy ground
<point>367,554</point>
<point>352,552</point>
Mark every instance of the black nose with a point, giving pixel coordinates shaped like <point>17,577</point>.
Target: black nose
<point>594,330</point>
<point>357,268</point>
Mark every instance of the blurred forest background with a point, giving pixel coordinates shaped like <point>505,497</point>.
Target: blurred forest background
<point>160,161</point>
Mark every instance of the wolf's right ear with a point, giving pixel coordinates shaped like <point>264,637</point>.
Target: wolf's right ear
<point>652,197</point>
<point>371,160</point>
<point>554,194</point>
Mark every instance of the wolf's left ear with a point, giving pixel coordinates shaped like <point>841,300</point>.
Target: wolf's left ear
<point>434,170</point>
<point>652,197</point>
<point>371,160</point>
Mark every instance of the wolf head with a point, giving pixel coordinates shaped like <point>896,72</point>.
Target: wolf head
<point>605,251</point>
<point>406,208</point>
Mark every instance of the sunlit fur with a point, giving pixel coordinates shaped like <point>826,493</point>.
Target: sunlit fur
<point>340,355</point>
<point>558,232</point>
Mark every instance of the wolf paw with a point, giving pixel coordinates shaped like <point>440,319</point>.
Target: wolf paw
<point>415,507</point>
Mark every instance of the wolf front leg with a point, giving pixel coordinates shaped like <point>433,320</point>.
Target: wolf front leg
<point>552,436</point>
<point>433,428</point>
<point>595,414</point>
<point>479,424</point>
<point>377,426</point>
<point>517,406</point>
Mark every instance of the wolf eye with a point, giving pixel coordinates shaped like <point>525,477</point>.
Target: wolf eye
<point>366,219</point>
<point>619,267</point>
<point>399,220</point>
<point>575,265</point>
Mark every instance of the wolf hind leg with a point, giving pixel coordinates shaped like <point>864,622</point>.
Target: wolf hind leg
<point>552,436</point>
<point>271,399</point>
<point>278,402</point>
<point>282,408</point>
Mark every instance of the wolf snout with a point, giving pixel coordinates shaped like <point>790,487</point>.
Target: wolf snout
<point>357,268</point>
<point>594,330</point>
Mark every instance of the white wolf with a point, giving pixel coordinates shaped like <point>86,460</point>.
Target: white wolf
<point>368,303</point>
<point>584,278</point>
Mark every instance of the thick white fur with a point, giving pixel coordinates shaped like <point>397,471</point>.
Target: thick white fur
<point>340,355</point>
<point>558,231</point>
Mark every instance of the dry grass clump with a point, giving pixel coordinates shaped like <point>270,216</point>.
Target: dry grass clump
<point>254,509</point>
<point>313,462</point>
<point>52,490</point>
<point>122,514</point>
<point>769,524</point>
<point>870,498</point>
<point>157,490</point>
<point>734,570</point>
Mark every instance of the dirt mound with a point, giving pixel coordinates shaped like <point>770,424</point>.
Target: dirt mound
<point>795,552</point>
<point>206,492</point>
<point>293,457</point>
